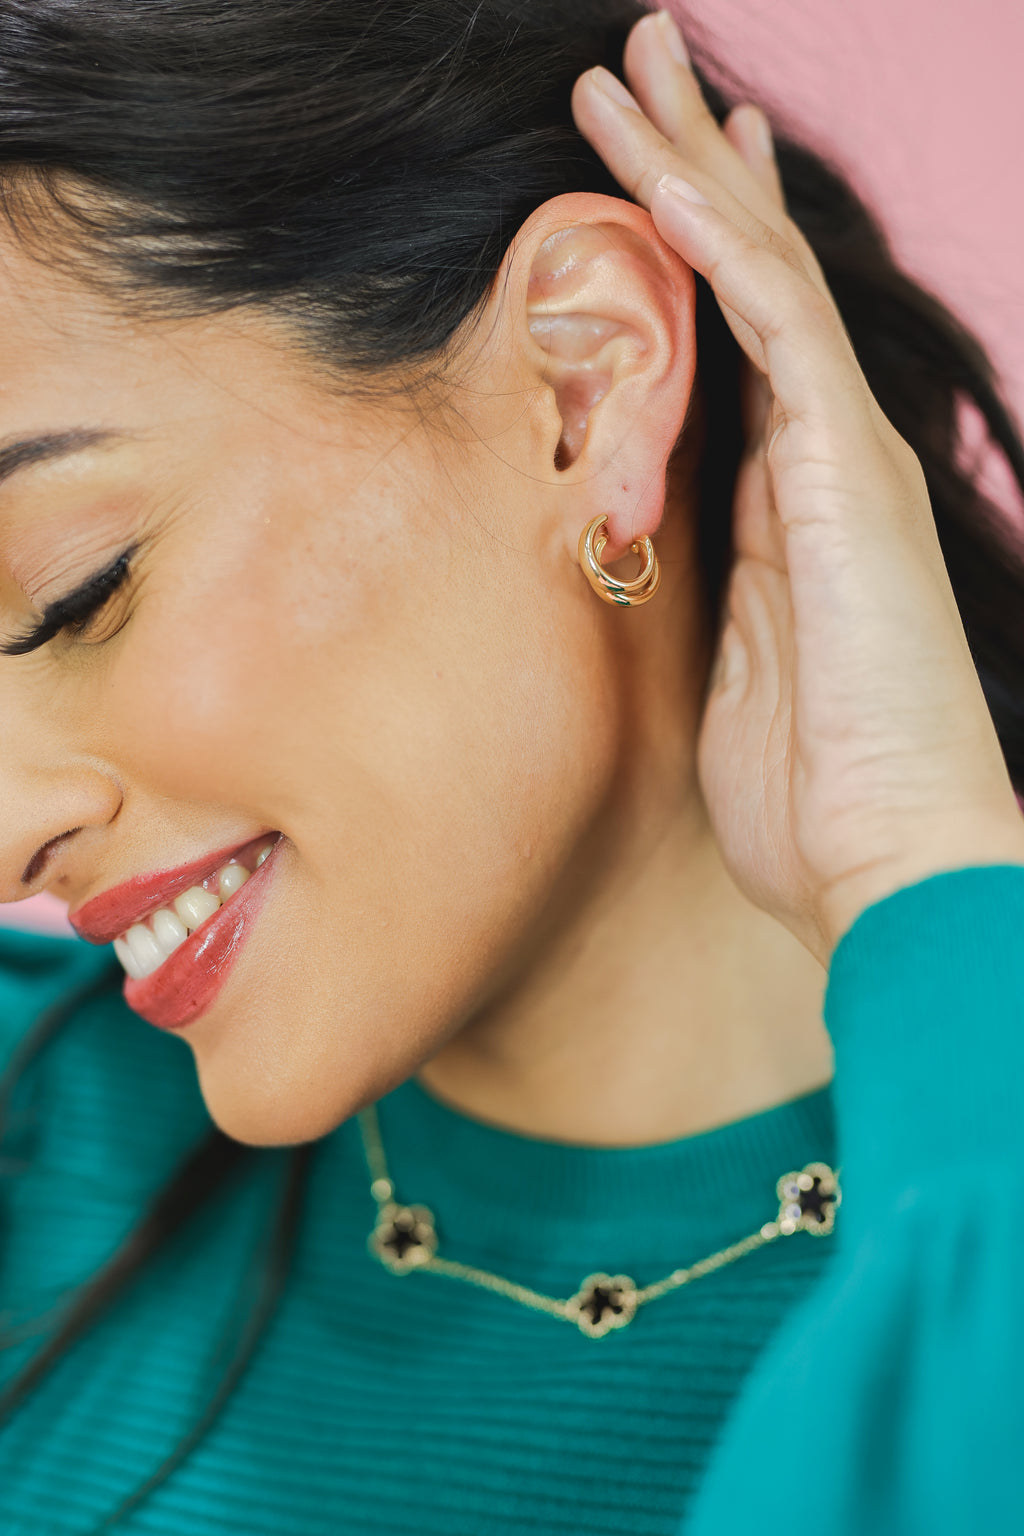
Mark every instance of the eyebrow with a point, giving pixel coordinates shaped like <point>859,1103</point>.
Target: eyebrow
<point>27,452</point>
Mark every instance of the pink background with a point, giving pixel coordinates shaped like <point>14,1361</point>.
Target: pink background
<point>921,103</point>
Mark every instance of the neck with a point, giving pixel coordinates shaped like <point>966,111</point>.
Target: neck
<point>653,1001</point>
<point>668,1007</point>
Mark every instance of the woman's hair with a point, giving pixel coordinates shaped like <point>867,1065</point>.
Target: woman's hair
<point>357,169</point>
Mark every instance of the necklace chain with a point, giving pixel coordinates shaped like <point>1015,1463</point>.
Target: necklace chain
<point>405,1238</point>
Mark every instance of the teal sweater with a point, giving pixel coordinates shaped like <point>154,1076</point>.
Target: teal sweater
<point>857,1385</point>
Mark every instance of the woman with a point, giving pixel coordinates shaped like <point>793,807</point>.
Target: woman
<point>343,390</point>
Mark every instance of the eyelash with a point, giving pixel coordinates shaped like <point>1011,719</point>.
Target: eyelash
<point>74,612</point>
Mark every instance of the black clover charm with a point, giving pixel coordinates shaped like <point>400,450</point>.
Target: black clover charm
<point>603,1302</point>
<point>808,1200</point>
<point>404,1237</point>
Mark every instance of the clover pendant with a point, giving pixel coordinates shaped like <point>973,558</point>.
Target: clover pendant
<point>404,1237</point>
<point>808,1200</point>
<point>603,1302</point>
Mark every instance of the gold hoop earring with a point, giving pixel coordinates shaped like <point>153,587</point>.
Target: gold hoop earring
<point>624,594</point>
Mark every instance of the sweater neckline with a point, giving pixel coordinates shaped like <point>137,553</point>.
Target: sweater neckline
<point>499,1190</point>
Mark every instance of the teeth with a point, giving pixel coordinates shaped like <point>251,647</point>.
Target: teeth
<point>168,930</point>
<point>127,959</point>
<point>195,905</point>
<point>145,947</point>
<point>231,879</point>
<point>145,950</point>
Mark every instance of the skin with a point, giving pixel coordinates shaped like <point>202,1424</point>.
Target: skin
<point>846,749</point>
<point>525,857</point>
<point>364,625</point>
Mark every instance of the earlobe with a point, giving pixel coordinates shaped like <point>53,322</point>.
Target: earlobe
<point>610,314</point>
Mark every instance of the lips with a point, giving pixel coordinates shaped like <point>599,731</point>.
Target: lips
<point>185,984</point>
<point>189,980</point>
<point>112,913</point>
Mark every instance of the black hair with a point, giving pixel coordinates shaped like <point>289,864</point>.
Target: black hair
<point>357,168</point>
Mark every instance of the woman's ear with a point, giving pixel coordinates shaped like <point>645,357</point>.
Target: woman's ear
<point>603,312</point>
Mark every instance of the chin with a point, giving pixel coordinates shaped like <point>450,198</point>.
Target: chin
<point>277,1090</point>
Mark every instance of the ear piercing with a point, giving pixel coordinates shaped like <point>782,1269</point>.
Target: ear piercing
<point>624,594</point>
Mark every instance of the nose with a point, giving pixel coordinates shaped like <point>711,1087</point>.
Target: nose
<point>44,814</point>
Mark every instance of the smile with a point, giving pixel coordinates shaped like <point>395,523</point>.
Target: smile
<point>146,946</point>
<point>179,933</point>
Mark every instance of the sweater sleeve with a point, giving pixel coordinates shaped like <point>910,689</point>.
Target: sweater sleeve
<point>892,1402</point>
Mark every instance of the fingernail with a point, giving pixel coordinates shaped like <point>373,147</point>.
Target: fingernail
<point>607,82</point>
<point>681,188</point>
<point>673,38</point>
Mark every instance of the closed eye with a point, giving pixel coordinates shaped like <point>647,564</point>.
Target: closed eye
<point>74,611</point>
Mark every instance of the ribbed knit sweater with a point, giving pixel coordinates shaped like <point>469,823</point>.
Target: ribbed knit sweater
<point>384,1404</point>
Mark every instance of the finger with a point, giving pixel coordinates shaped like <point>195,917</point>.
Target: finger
<point>749,132</point>
<point>787,327</point>
<point>637,155</point>
<point>613,122</point>
<point>757,530</point>
<point>658,71</point>
<point>772,297</point>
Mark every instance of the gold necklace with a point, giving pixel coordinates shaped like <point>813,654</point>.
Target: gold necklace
<point>404,1238</point>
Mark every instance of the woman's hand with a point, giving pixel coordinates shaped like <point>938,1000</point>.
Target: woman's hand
<point>846,748</point>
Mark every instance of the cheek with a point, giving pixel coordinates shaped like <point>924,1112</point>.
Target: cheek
<point>197,693</point>
<point>433,747</point>
<point>462,731</point>
<point>288,675</point>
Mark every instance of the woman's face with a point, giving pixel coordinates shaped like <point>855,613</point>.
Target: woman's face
<point>357,625</point>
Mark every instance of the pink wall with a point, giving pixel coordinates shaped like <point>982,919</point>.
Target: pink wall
<point>921,102</point>
<point>39,912</point>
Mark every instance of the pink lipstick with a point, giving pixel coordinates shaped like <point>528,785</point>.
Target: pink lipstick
<point>185,983</point>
